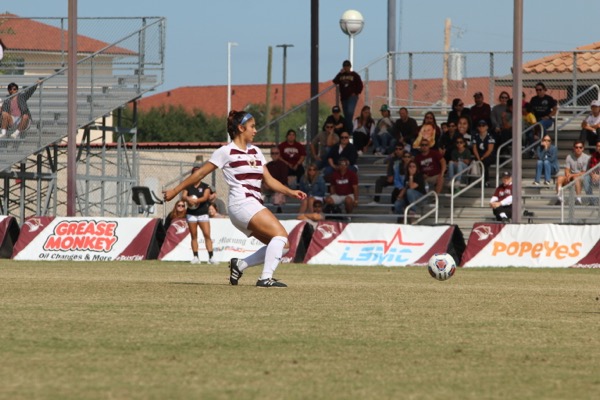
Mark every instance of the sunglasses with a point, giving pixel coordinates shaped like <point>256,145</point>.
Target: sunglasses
<point>180,205</point>
<point>329,127</point>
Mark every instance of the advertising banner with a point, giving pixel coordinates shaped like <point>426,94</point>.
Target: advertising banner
<point>532,245</point>
<point>228,241</point>
<point>87,239</point>
<point>370,244</point>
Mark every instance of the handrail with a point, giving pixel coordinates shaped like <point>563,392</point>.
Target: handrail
<point>427,214</point>
<point>509,160</point>
<point>570,186</point>
<point>470,185</point>
<point>556,129</point>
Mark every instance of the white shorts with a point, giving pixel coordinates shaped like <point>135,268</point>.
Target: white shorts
<point>339,199</point>
<point>196,218</point>
<point>17,121</point>
<point>241,214</point>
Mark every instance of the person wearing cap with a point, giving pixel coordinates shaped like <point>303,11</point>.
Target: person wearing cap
<point>501,201</point>
<point>544,106</point>
<point>381,138</point>
<point>480,110</point>
<point>197,197</point>
<point>350,85</point>
<point>590,127</point>
<point>482,147</point>
<point>322,143</point>
<point>338,121</point>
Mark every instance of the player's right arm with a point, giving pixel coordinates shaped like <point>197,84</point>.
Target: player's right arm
<point>196,176</point>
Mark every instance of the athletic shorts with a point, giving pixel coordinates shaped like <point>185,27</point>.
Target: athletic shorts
<point>339,199</point>
<point>196,218</point>
<point>241,214</point>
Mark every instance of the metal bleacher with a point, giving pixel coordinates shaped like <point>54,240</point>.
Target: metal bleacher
<point>32,164</point>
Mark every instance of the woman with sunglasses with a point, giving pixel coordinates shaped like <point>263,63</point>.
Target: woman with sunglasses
<point>243,168</point>
<point>547,161</point>
<point>458,110</point>
<point>178,211</point>
<point>497,111</point>
<point>313,184</point>
<point>414,188</point>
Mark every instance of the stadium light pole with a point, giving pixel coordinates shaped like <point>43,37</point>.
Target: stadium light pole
<point>285,47</point>
<point>352,23</point>
<point>229,45</point>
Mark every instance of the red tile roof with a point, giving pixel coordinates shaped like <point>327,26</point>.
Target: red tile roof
<point>22,34</point>
<point>563,62</point>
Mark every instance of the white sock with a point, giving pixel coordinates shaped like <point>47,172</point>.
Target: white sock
<point>16,133</point>
<point>3,132</point>
<point>579,199</point>
<point>273,256</point>
<point>503,215</point>
<point>256,258</point>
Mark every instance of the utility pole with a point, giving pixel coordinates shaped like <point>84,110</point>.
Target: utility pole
<point>285,47</point>
<point>268,101</point>
<point>446,57</point>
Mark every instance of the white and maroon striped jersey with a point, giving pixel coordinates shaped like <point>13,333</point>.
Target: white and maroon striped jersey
<point>243,171</point>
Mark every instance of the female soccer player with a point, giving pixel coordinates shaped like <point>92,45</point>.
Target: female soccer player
<point>243,167</point>
<point>197,196</point>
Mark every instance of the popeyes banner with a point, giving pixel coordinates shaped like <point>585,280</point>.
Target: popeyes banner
<point>87,239</point>
<point>381,244</point>
<point>533,245</point>
<point>228,241</point>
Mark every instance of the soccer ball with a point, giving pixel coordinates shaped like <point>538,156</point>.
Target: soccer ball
<point>193,206</point>
<point>441,266</point>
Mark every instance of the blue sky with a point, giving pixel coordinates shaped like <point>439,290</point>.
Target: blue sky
<point>198,31</point>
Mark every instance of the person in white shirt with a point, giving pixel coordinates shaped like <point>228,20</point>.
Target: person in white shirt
<point>590,127</point>
<point>243,166</point>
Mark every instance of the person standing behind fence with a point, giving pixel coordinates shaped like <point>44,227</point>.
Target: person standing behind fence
<point>243,167</point>
<point>197,197</point>
<point>15,112</point>
<point>351,86</point>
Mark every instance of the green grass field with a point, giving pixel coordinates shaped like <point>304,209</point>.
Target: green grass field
<point>152,330</point>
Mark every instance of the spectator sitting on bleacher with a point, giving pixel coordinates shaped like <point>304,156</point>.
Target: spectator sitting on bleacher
<point>314,216</point>
<point>458,110</point>
<point>382,138</point>
<point>394,162</point>
<point>590,127</point>
<point>362,130</point>
<point>480,111</point>
<point>547,162</point>
<point>433,138</point>
<point>463,129</point>
<point>279,171</point>
<point>405,129</point>
<point>575,167</point>
<point>460,160</point>
<point>501,201</point>
<point>432,165</point>
<point>496,115</point>
<point>344,187</point>
<point>15,112</point>
<point>594,161</point>
<point>344,149</point>
<point>292,153</point>
<point>213,211</point>
<point>313,184</point>
<point>413,188</point>
<point>337,120</point>
<point>322,143</point>
<point>544,107</point>
<point>482,146</point>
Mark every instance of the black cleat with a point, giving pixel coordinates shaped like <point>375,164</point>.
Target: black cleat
<point>270,283</point>
<point>234,273</point>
